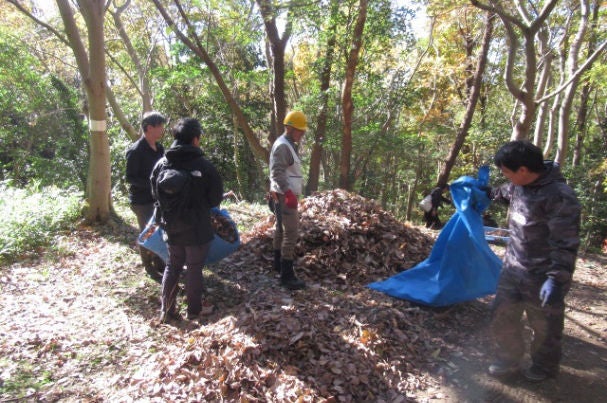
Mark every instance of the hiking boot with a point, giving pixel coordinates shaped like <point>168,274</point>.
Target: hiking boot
<point>501,368</point>
<point>535,374</point>
<point>288,278</point>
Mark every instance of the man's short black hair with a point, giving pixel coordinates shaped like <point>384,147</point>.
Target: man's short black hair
<point>518,153</point>
<point>152,118</point>
<point>186,129</point>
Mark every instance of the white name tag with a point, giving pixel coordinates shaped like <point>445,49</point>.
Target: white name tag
<point>519,218</point>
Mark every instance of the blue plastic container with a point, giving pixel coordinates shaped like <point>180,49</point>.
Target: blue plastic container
<point>220,248</point>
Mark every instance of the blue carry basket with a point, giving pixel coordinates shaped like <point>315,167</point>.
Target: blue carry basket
<point>152,238</point>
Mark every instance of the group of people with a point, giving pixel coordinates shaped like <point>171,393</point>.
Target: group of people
<point>188,246</point>
<point>538,264</point>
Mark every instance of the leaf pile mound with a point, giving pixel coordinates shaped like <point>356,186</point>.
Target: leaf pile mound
<point>334,341</point>
<point>348,239</point>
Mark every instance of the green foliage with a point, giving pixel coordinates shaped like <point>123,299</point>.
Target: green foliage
<point>26,378</point>
<point>33,216</point>
<point>42,134</point>
<point>593,198</point>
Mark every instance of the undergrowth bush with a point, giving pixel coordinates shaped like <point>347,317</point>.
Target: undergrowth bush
<point>33,216</point>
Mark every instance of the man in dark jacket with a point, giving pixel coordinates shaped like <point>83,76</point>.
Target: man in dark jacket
<point>431,217</point>
<point>189,241</point>
<point>141,157</point>
<point>544,221</point>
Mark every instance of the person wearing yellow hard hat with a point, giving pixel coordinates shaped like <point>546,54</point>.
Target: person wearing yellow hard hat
<point>286,184</point>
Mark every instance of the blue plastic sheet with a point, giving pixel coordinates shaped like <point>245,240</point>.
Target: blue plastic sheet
<point>219,249</point>
<point>461,266</point>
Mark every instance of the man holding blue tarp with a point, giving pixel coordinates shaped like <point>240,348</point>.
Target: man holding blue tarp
<point>461,266</point>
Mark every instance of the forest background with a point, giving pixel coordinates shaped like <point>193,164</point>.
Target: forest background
<point>393,111</point>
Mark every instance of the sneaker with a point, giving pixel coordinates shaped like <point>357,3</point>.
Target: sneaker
<point>535,374</point>
<point>166,317</point>
<point>501,368</point>
<point>193,316</point>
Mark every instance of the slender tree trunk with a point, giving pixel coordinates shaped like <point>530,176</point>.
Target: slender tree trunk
<point>545,77</point>
<point>325,83</point>
<point>142,68</point>
<point>528,26</point>
<point>195,45</point>
<point>572,67</point>
<point>348,105</point>
<point>277,59</point>
<point>474,94</point>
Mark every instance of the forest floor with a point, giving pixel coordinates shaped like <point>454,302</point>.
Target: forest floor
<point>78,323</point>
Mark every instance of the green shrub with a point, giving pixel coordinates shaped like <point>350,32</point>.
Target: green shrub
<point>33,216</point>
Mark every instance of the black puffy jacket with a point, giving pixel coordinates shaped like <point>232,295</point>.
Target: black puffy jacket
<point>207,191</point>
<point>544,220</point>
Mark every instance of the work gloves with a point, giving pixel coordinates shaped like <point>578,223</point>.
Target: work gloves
<point>550,292</point>
<point>290,199</point>
<point>488,191</point>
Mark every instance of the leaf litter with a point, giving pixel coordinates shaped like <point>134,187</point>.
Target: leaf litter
<point>88,319</point>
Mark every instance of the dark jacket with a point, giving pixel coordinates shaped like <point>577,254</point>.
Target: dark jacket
<point>140,160</point>
<point>437,197</point>
<point>207,191</point>
<point>544,223</point>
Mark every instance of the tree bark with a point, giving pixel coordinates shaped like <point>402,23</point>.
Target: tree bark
<point>348,105</point>
<point>473,98</point>
<point>321,122</point>
<point>195,46</point>
<point>528,29</point>
<point>277,59</point>
<point>572,66</point>
<point>92,70</point>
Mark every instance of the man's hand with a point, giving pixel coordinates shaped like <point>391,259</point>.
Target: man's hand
<point>488,191</point>
<point>290,199</point>
<point>550,292</point>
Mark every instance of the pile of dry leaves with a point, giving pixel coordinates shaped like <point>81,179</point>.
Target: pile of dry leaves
<point>335,340</point>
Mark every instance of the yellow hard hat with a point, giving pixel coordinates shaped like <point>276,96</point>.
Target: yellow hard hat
<point>296,119</point>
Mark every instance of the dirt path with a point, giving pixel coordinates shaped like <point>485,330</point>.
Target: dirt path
<point>583,376</point>
<point>79,327</point>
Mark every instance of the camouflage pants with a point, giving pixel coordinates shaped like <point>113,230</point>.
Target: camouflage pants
<point>518,293</point>
<point>285,234</point>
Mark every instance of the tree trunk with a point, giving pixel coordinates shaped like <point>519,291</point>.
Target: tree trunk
<point>528,26</point>
<point>196,46</point>
<point>92,69</point>
<point>277,55</point>
<point>582,115</point>
<point>143,85</point>
<point>325,83</point>
<point>474,93</point>
<point>572,67</point>
<point>348,105</point>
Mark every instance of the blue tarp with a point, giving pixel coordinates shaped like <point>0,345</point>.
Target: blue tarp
<point>218,250</point>
<point>461,266</point>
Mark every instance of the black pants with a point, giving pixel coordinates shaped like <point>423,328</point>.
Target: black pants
<point>432,220</point>
<point>193,258</point>
<point>518,292</point>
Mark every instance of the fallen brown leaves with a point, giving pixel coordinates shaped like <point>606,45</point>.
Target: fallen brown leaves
<point>335,341</point>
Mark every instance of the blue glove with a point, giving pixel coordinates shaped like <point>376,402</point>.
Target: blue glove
<point>550,292</point>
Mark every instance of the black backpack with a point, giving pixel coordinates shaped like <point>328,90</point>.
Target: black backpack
<point>174,199</point>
